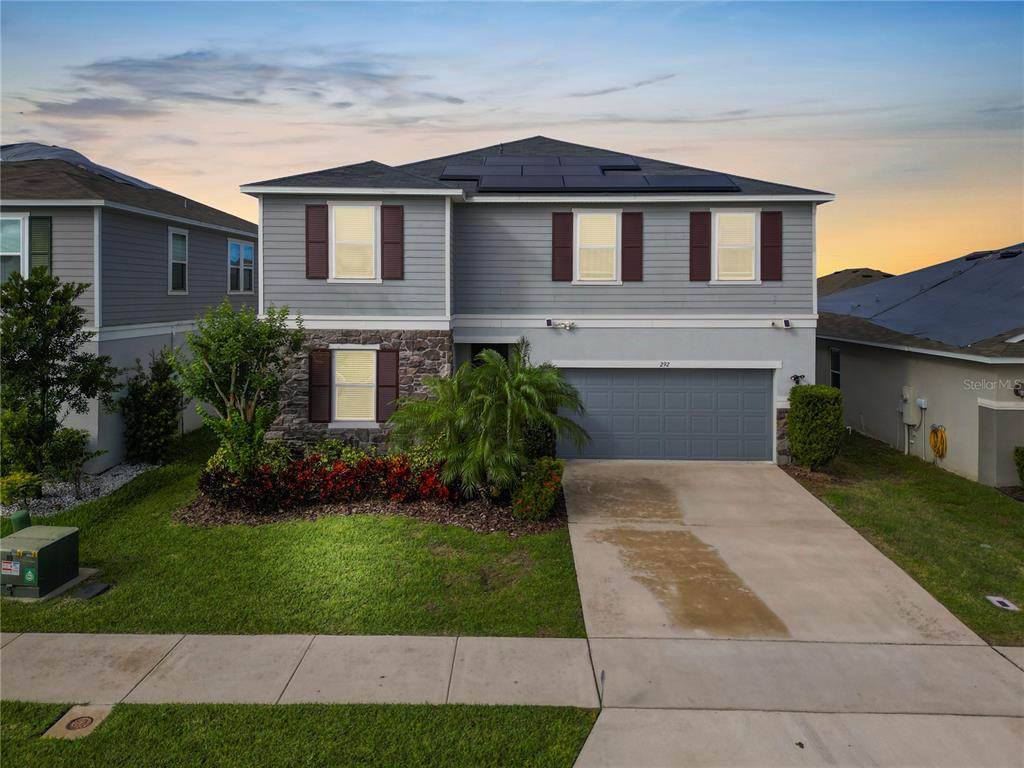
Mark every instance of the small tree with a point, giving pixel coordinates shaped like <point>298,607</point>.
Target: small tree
<point>47,372</point>
<point>480,419</point>
<point>234,372</point>
<point>150,407</point>
<point>815,424</point>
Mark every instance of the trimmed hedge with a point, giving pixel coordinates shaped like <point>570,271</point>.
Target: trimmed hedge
<point>1018,459</point>
<point>815,424</point>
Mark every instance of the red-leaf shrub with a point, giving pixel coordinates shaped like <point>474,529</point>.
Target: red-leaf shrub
<point>535,497</point>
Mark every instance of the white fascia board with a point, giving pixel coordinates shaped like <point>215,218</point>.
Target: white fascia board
<point>569,199</point>
<point>668,364</point>
<point>97,266</point>
<point>368,323</point>
<point>933,352</point>
<point>362,191</point>
<point>129,209</point>
<point>636,321</point>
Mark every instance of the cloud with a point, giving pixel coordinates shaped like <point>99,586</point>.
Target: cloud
<point>617,88</point>
<point>342,104</point>
<point>96,107</point>
<point>243,78</point>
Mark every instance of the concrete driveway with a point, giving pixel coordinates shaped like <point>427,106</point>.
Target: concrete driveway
<point>723,599</point>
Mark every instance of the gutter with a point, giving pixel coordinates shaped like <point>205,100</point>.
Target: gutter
<point>934,352</point>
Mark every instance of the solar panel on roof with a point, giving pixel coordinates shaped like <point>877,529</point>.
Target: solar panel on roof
<point>607,162</point>
<point>520,160</point>
<point>547,170</point>
<point>519,183</point>
<point>694,182</point>
<point>602,183</point>
<point>473,172</point>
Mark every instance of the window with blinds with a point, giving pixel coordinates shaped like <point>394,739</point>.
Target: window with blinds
<point>355,242</point>
<point>355,385</point>
<point>736,246</point>
<point>177,268</point>
<point>597,249</point>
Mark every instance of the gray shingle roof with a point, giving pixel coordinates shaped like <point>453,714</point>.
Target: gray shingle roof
<point>63,180</point>
<point>962,303</point>
<point>427,173</point>
<point>845,279</point>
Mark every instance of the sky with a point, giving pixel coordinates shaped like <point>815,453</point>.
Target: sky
<point>911,114</point>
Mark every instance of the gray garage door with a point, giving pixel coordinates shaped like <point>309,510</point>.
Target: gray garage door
<point>655,413</point>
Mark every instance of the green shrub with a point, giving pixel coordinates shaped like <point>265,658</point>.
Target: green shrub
<point>535,497</point>
<point>334,451</point>
<point>1018,459</point>
<point>150,408</point>
<point>17,435</point>
<point>540,441</point>
<point>19,487</point>
<point>65,454</point>
<point>275,455</point>
<point>815,424</point>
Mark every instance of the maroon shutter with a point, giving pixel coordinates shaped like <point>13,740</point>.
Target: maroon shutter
<point>316,242</point>
<point>561,247</point>
<point>392,242</point>
<point>319,385</point>
<point>771,245</point>
<point>700,245</point>
<point>387,383</point>
<point>632,246</point>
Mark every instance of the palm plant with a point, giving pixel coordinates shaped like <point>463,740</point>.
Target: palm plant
<point>478,418</point>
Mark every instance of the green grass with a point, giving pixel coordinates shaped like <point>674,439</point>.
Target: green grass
<point>959,539</point>
<point>335,575</point>
<point>291,736</point>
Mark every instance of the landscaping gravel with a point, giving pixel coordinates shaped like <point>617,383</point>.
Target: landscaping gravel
<point>58,496</point>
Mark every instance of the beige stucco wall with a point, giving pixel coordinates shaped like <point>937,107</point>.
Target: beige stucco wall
<point>872,380</point>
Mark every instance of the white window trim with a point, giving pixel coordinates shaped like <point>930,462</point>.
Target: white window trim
<point>714,246</point>
<point>576,213</point>
<point>171,232</point>
<point>23,256</point>
<point>353,423</point>
<point>376,243</point>
<point>241,265</point>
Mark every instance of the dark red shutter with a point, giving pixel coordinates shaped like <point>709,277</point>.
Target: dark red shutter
<point>700,245</point>
<point>320,385</point>
<point>632,246</point>
<point>392,242</point>
<point>771,245</point>
<point>561,247</point>
<point>387,383</point>
<point>316,242</point>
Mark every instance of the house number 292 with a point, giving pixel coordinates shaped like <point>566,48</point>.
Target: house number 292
<point>664,364</point>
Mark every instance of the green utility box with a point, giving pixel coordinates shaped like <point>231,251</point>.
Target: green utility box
<point>37,560</point>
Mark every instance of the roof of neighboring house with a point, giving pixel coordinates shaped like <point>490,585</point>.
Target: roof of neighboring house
<point>971,304</point>
<point>848,278</point>
<point>540,165</point>
<point>64,177</point>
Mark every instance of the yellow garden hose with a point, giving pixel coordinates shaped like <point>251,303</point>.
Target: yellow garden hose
<point>937,440</point>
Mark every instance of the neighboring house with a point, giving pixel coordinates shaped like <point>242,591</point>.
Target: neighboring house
<point>153,260</point>
<point>681,302</point>
<point>940,346</point>
<point>845,279</point>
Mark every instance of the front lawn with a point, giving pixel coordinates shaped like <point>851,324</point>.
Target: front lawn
<point>334,575</point>
<point>959,539</point>
<point>169,735</point>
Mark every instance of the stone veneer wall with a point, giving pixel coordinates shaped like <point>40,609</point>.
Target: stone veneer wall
<point>420,354</point>
<point>782,435</point>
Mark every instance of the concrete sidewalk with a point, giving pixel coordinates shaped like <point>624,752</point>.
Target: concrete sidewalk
<point>268,669</point>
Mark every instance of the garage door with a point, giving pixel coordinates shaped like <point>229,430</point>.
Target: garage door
<point>653,413</point>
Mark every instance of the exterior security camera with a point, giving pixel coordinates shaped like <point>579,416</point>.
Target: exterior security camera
<point>787,324</point>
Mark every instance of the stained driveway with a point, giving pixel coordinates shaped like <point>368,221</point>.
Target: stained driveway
<point>733,550</point>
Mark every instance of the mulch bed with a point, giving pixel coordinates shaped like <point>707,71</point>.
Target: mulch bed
<point>824,478</point>
<point>477,515</point>
<point>1013,491</point>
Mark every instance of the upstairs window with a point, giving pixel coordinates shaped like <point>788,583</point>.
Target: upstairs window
<point>735,251</point>
<point>597,247</point>
<point>177,267</point>
<point>355,385</point>
<point>13,250</point>
<point>240,266</point>
<point>354,248</point>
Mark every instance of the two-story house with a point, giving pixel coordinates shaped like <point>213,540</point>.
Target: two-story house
<point>153,260</point>
<point>679,301</point>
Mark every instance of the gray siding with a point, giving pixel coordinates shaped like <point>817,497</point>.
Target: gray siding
<point>502,263</point>
<point>134,266</point>
<point>421,293</point>
<point>72,248</point>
